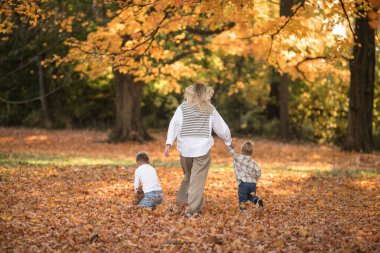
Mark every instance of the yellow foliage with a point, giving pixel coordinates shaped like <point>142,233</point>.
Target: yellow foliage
<point>143,38</point>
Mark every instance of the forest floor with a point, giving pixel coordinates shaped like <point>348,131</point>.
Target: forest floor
<point>65,191</point>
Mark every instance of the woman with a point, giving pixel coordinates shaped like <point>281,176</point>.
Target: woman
<point>191,125</point>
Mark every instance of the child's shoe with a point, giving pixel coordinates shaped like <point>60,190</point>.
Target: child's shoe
<point>261,204</point>
<point>243,206</point>
<point>193,215</point>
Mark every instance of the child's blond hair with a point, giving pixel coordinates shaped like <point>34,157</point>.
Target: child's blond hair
<point>247,148</point>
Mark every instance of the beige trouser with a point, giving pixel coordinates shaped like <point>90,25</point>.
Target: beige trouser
<point>195,170</point>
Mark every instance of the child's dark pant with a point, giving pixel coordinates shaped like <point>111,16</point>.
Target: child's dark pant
<point>247,191</point>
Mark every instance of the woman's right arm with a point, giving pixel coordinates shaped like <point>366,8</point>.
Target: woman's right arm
<point>173,130</point>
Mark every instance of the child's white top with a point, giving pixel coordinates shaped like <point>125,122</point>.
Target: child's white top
<point>192,130</point>
<point>147,175</point>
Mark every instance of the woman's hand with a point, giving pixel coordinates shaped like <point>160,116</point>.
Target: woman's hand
<point>167,150</point>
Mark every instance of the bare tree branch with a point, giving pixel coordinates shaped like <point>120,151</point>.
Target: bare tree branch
<point>306,60</point>
<point>270,47</point>
<point>31,99</point>
<point>301,4</point>
<point>151,36</point>
<point>348,18</point>
<point>211,32</point>
<point>180,56</point>
<point>273,2</point>
<point>322,57</point>
<point>31,60</point>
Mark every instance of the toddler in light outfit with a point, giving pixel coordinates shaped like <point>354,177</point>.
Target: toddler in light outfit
<point>247,172</point>
<point>146,175</point>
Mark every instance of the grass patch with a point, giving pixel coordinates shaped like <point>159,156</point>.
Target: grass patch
<point>17,160</point>
<point>163,164</point>
<point>62,161</point>
<point>348,173</point>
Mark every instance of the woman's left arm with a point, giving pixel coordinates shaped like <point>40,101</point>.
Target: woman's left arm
<point>220,128</point>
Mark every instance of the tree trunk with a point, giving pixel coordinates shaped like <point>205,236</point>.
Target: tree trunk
<point>286,7</point>
<point>273,108</point>
<point>42,90</point>
<point>361,94</point>
<point>128,110</point>
<point>279,89</point>
<point>284,110</point>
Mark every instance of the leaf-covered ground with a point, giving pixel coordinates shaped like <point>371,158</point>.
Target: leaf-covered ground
<point>68,191</point>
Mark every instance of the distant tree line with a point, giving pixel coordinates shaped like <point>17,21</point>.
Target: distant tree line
<point>122,65</point>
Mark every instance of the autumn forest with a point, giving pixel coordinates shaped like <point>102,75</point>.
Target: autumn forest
<point>85,85</point>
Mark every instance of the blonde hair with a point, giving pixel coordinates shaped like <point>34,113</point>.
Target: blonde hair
<point>199,95</point>
<point>247,148</point>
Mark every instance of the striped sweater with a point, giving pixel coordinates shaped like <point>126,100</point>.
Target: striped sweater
<point>195,123</point>
<point>193,133</point>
